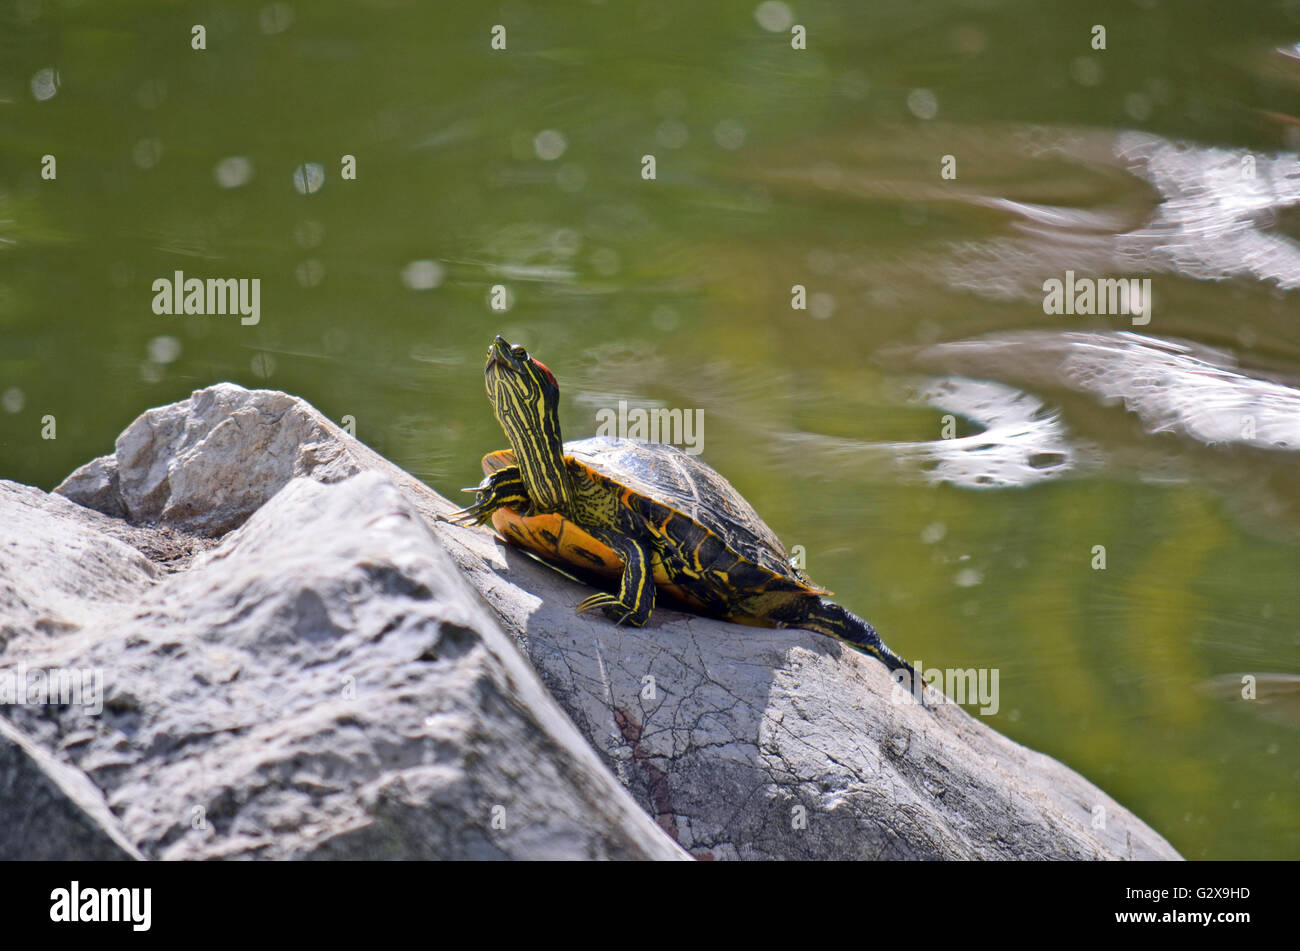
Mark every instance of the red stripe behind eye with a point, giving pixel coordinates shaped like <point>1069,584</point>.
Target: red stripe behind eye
<point>545,369</point>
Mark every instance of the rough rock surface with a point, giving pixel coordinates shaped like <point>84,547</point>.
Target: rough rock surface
<point>320,684</point>
<point>204,465</point>
<point>738,741</point>
<point>63,813</point>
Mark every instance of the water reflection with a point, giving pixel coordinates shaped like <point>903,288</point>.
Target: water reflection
<point>1275,696</point>
<point>1172,386</point>
<point>1020,441</point>
<point>1215,214</point>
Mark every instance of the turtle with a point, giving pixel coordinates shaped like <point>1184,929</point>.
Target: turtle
<point>649,514</point>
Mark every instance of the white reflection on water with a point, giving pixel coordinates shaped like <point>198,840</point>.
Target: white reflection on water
<point>1216,206</point>
<point>1211,219</point>
<point>1022,442</point>
<point>1171,385</point>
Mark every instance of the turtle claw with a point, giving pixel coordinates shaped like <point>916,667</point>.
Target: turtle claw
<point>598,600</point>
<point>476,514</point>
<point>614,609</point>
<point>501,489</point>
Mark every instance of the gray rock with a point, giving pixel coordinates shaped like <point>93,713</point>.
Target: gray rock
<point>760,743</point>
<point>95,486</point>
<point>50,811</point>
<point>321,684</point>
<point>738,742</point>
<point>205,464</point>
<point>58,570</point>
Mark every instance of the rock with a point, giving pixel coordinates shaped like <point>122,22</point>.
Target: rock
<point>739,742</point>
<point>95,486</point>
<point>58,570</point>
<point>321,684</point>
<point>49,811</point>
<point>205,464</point>
<point>753,732</point>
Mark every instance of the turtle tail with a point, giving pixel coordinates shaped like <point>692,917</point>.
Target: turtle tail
<point>826,617</point>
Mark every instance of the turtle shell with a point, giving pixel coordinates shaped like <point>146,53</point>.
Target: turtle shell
<point>673,477</point>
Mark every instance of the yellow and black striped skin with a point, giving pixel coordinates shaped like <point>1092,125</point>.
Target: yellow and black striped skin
<point>649,514</point>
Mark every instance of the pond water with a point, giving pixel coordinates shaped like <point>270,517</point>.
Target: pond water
<point>1104,509</point>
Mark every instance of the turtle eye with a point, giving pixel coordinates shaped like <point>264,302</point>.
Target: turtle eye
<point>520,352</point>
<point>546,372</point>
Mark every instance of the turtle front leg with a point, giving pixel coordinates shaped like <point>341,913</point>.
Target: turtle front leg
<point>636,591</point>
<point>503,488</point>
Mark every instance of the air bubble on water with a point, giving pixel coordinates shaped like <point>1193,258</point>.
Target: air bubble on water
<point>922,103</point>
<point>1138,106</point>
<point>729,134</point>
<point>12,400</point>
<point>664,317</point>
<point>275,18</point>
<point>147,153</point>
<point>45,83</point>
<point>164,349</point>
<point>310,273</point>
<point>934,532</point>
<point>773,16</point>
<point>309,178</point>
<point>968,578</point>
<point>263,365</point>
<point>821,305</point>
<point>549,145</point>
<point>423,275</point>
<point>233,172</point>
<point>309,233</point>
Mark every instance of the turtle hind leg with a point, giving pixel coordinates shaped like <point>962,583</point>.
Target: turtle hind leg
<point>636,590</point>
<point>824,616</point>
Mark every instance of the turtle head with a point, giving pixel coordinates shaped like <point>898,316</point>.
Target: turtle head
<point>513,361</point>
<point>526,400</point>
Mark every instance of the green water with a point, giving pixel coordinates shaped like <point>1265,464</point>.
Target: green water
<point>774,167</point>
